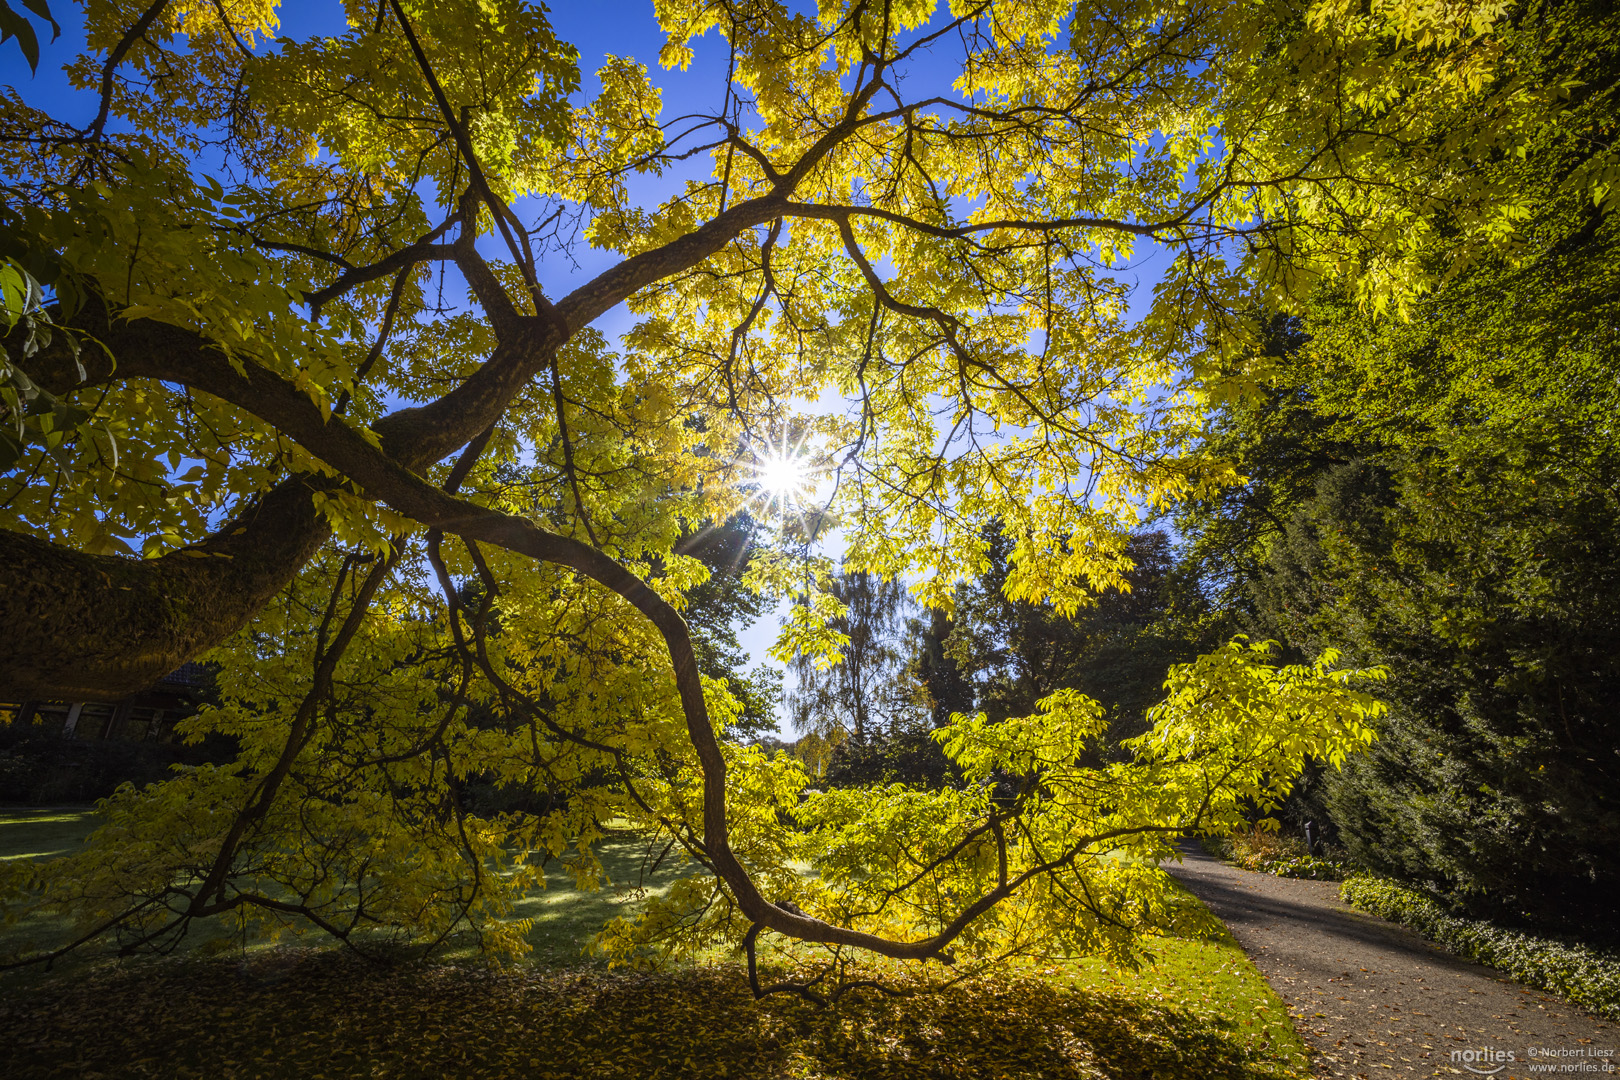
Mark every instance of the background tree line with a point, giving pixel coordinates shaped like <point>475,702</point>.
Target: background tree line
<point>870,718</point>
<point>1436,491</point>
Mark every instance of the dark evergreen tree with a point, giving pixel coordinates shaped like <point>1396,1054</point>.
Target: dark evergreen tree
<point>1437,495</point>
<point>1493,598</point>
<point>946,688</point>
<point>1115,651</point>
<point>718,608</point>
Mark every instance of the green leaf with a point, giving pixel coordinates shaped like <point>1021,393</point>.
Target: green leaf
<point>40,8</point>
<point>14,292</point>
<point>14,25</point>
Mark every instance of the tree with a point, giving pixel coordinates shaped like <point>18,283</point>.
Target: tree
<point>865,719</point>
<point>1115,650</point>
<point>931,689</point>
<point>1437,497</point>
<point>946,688</point>
<point>874,713</point>
<point>864,694</point>
<point>714,609</point>
<point>1493,608</point>
<point>291,418</point>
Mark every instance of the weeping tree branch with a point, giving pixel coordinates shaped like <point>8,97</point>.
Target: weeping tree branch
<point>326,662</point>
<point>412,438</point>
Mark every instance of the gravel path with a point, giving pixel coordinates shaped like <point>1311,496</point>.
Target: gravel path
<point>1375,1000</point>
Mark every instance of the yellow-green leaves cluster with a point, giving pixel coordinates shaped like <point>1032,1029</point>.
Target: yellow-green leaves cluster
<point>906,239</point>
<point>1069,847</point>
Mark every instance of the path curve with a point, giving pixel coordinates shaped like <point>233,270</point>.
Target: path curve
<point>1375,1000</point>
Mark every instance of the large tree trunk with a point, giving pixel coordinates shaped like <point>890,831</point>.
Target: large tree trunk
<point>96,627</point>
<point>80,627</point>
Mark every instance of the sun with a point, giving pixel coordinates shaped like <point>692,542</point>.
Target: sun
<point>782,473</point>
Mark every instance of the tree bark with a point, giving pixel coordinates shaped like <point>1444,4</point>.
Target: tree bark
<point>97,627</point>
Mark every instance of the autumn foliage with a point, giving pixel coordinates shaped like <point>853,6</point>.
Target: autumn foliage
<point>298,378</point>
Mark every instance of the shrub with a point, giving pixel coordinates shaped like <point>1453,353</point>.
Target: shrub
<point>1578,973</point>
<point>42,770</point>
<point>1271,853</point>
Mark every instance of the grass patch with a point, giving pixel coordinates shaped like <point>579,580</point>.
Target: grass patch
<point>46,833</point>
<point>1214,983</point>
<point>565,917</point>
<point>1200,1009</point>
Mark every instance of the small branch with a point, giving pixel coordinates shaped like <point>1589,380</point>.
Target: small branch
<point>131,36</point>
<point>424,250</point>
<point>504,218</point>
<point>804,990</point>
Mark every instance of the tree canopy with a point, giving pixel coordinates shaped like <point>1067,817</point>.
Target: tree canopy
<point>1437,496</point>
<point>308,389</point>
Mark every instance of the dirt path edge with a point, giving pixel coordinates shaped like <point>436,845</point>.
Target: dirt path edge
<point>1373,999</point>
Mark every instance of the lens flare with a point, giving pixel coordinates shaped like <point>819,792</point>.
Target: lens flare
<point>782,473</point>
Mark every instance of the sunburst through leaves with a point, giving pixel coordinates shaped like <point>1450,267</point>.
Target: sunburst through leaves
<point>784,474</point>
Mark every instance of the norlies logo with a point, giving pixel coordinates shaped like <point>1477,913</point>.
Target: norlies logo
<point>1485,1062</point>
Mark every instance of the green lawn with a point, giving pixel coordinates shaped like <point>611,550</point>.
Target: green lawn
<point>1201,1010</point>
<point>1211,980</point>
<point>42,834</point>
<point>564,917</point>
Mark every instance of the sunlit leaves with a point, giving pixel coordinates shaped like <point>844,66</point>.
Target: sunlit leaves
<point>1078,844</point>
<point>363,102</point>
<point>914,222</point>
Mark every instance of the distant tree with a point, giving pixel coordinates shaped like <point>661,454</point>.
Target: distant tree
<point>945,687</point>
<point>928,688</point>
<point>867,691</point>
<point>1114,651</point>
<point>717,608</point>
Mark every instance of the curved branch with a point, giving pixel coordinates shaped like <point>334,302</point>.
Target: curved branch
<point>83,627</point>
<point>97,627</point>
<point>424,250</point>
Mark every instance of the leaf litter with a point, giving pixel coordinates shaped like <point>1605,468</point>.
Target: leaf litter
<point>319,1015</point>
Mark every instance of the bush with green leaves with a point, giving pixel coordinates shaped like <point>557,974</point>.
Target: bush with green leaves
<point>1581,974</point>
<point>1270,853</point>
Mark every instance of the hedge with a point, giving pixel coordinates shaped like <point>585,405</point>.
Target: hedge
<point>1281,863</point>
<point>1578,973</point>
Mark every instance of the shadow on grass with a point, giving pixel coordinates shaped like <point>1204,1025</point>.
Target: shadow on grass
<point>302,1013</point>
<point>44,832</point>
<point>1201,1010</point>
<point>564,917</point>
